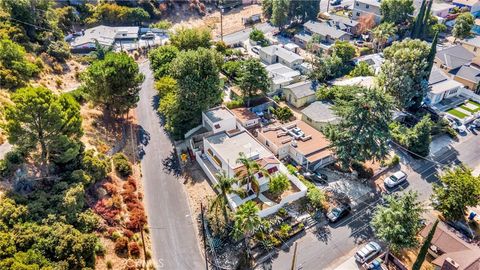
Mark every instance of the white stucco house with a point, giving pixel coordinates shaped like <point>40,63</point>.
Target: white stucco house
<point>221,147</point>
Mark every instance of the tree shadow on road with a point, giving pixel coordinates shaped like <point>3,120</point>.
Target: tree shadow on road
<point>426,168</point>
<point>143,138</point>
<point>171,164</point>
<point>360,228</point>
<point>323,233</point>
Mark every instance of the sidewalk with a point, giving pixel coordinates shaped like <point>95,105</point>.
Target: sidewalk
<point>349,264</point>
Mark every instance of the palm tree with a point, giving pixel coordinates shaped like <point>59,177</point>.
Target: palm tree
<point>382,33</point>
<point>251,168</point>
<point>246,223</point>
<point>224,186</point>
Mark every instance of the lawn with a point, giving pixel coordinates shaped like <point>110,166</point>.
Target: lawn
<point>474,103</point>
<point>469,109</point>
<point>456,113</point>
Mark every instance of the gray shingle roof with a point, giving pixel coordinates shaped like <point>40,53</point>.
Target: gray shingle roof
<point>436,76</point>
<point>244,34</point>
<point>469,73</point>
<point>301,89</point>
<point>344,20</point>
<point>320,112</point>
<point>324,29</point>
<point>106,35</point>
<point>455,56</point>
<point>281,53</point>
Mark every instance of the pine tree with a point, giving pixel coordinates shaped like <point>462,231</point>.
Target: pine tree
<point>418,21</point>
<point>431,55</point>
<point>426,17</point>
<point>424,249</point>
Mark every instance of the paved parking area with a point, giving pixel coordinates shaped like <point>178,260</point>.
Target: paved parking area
<point>328,246</point>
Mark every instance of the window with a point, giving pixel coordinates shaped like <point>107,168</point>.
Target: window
<point>260,175</point>
<point>217,126</point>
<point>267,143</point>
<point>272,170</point>
<point>218,161</point>
<point>357,4</point>
<point>309,119</point>
<point>367,6</point>
<point>358,14</point>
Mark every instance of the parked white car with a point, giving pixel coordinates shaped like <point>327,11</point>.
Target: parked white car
<point>367,252</point>
<point>457,125</point>
<point>395,179</point>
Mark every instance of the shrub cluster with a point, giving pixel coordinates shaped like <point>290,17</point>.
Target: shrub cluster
<point>363,172</point>
<point>122,165</point>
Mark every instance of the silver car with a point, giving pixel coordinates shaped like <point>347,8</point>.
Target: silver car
<point>395,179</point>
<point>367,252</point>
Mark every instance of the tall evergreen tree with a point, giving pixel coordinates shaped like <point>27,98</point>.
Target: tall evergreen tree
<point>426,17</point>
<point>418,21</point>
<point>431,55</point>
<point>424,249</point>
<point>280,13</point>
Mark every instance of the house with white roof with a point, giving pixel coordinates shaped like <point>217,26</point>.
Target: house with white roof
<point>105,35</point>
<point>277,54</point>
<point>220,149</point>
<point>472,5</point>
<point>442,87</point>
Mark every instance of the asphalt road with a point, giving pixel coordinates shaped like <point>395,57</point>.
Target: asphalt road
<point>327,246</point>
<point>172,229</point>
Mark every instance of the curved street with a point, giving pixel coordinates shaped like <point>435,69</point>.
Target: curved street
<point>172,229</point>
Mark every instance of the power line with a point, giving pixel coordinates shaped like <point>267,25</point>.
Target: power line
<point>33,25</point>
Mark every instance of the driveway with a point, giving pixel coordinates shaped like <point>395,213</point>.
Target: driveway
<point>171,226</point>
<point>328,246</point>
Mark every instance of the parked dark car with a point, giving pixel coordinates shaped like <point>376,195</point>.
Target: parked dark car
<point>336,213</point>
<point>316,177</point>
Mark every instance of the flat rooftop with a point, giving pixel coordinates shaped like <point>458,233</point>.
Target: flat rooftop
<point>218,114</point>
<point>244,114</point>
<point>313,143</point>
<point>229,147</point>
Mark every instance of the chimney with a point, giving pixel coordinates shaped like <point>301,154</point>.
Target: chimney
<point>450,264</point>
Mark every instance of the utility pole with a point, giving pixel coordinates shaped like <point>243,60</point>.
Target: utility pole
<point>204,236</point>
<point>294,259</point>
<point>144,248</point>
<point>221,24</point>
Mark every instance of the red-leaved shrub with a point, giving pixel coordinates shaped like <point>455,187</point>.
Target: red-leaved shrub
<point>128,233</point>
<point>134,249</point>
<point>121,245</point>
